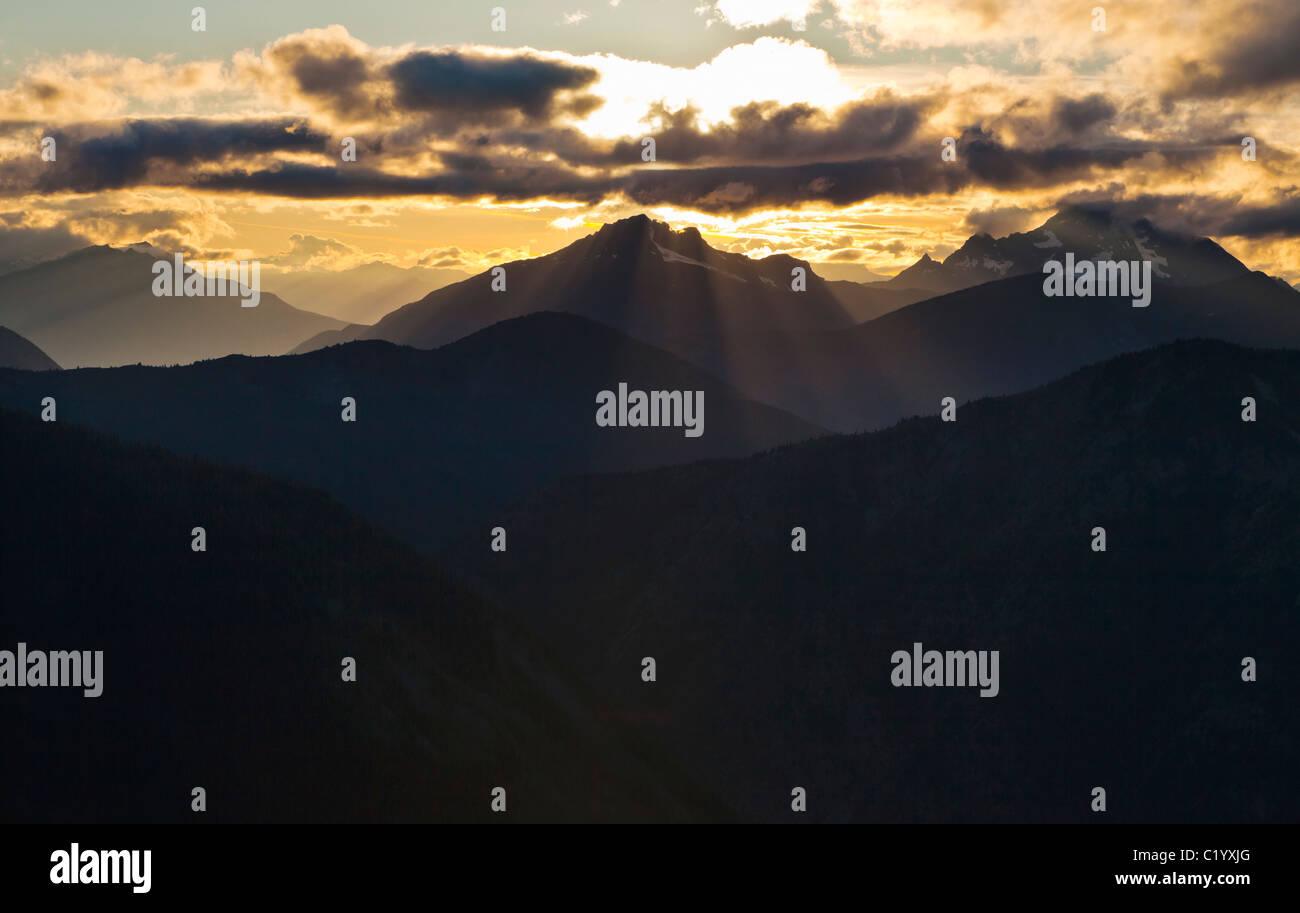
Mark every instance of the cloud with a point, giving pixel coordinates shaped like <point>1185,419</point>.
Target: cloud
<point>769,155</point>
<point>751,13</point>
<point>1206,50</point>
<point>326,66</point>
<point>1151,111</point>
<point>330,73</point>
<point>1255,53</point>
<point>784,185</point>
<point>1264,221</point>
<point>997,165</point>
<point>1001,221</point>
<point>311,252</point>
<point>769,132</point>
<point>450,81</point>
<point>1075,115</point>
<point>306,181</point>
<point>95,157</point>
<point>24,245</point>
<point>847,254</point>
<point>1208,214</point>
<point>95,85</point>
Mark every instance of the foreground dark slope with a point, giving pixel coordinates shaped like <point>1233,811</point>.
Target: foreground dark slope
<point>1118,669</point>
<point>442,438</point>
<point>222,669</point>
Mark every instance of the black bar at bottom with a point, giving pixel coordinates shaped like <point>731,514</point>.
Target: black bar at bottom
<point>332,863</point>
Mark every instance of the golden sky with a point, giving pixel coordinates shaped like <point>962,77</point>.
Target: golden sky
<point>814,129</point>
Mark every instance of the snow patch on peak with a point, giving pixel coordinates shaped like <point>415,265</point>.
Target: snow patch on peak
<point>671,256</point>
<point>1159,264</point>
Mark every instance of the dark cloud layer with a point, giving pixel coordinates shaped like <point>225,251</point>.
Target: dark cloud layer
<point>89,161</point>
<point>1197,214</point>
<point>1076,115</point>
<point>331,71</point>
<point>449,81</point>
<point>337,79</point>
<point>719,188</point>
<point>1265,221</point>
<point>1006,168</point>
<point>765,155</point>
<point>742,165</point>
<point>771,133</point>
<point>1263,59</point>
<point>322,182</point>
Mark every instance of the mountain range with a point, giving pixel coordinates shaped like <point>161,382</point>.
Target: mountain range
<point>442,438</point>
<point>1090,232</point>
<point>359,295</point>
<point>999,337</point>
<point>476,409</point>
<point>1120,668</point>
<point>639,276</point>
<point>96,308</point>
<point>850,356</point>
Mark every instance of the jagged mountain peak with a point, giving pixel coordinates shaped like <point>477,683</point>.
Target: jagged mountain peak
<point>638,275</point>
<point>1092,231</point>
<point>145,247</point>
<point>641,228</point>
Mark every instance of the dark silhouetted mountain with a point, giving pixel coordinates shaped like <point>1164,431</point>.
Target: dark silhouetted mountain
<point>926,275</point>
<point>999,337</point>
<point>442,439</point>
<point>17,352</point>
<point>667,288</point>
<point>326,338</point>
<point>222,669</point>
<point>1120,669</point>
<point>96,307</point>
<point>1090,232</point>
<point>675,291</point>
<point>360,295</point>
<point>907,347</point>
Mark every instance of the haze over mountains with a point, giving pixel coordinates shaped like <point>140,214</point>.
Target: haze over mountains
<point>1119,669</point>
<point>17,352</point>
<point>1003,335</point>
<point>808,352</point>
<point>842,354</point>
<point>999,337</point>
<point>96,307</point>
<point>362,294</point>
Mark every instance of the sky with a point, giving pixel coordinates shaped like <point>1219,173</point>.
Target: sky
<point>488,132</point>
